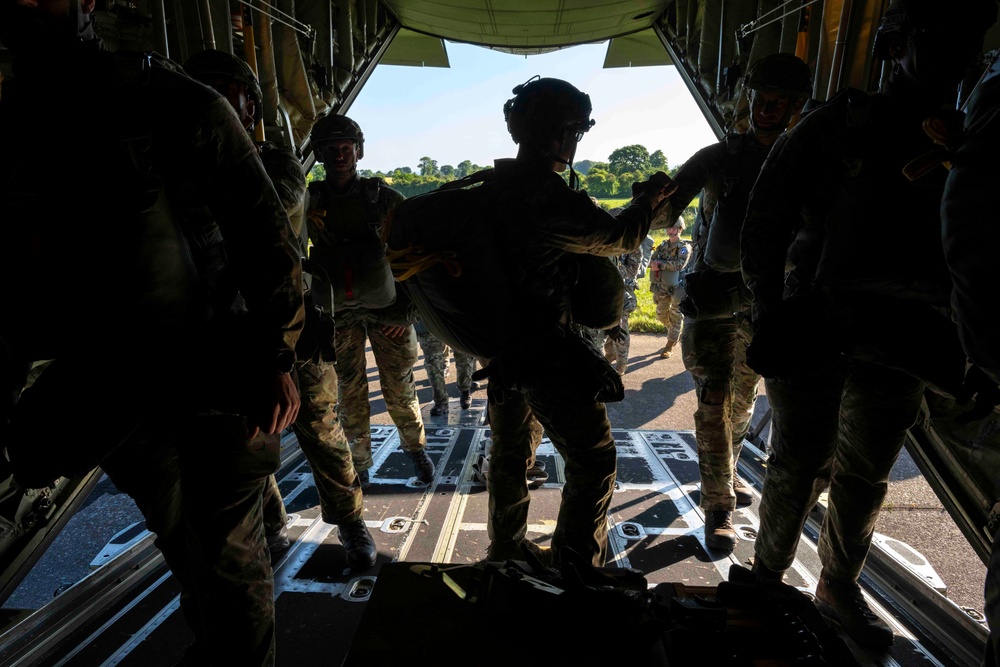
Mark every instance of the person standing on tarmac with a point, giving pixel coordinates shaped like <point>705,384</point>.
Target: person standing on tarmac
<point>187,400</point>
<point>717,328</point>
<point>436,362</point>
<point>232,78</point>
<point>346,217</point>
<point>539,223</point>
<point>665,265</point>
<point>830,337</point>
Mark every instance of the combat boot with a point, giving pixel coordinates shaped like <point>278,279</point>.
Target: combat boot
<point>667,349</point>
<point>764,574</point>
<point>744,497</point>
<point>439,409</point>
<point>277,542</point>
<point>358,543</point>
<point>719,531</point>
<point>423,465</point>
<point>843,603</point>
<point>465,400</point>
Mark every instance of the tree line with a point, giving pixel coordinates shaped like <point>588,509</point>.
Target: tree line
<point>603,180</point>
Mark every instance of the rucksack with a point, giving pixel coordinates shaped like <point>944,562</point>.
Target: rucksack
<point>357,267</point>
<point>441,250</point>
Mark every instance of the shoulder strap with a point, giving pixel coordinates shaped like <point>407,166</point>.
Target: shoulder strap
<point>373,191</point>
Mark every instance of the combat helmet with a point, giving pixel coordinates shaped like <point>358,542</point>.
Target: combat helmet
<point>780,73</point>
<point>903,15</point>
<point>334,127</point>
<point>211,64</point>
<point>544,109</point>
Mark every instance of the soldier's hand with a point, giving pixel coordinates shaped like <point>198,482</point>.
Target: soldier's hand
<point>279,406</point>
<point>394,331</point>
<point>617,334</point>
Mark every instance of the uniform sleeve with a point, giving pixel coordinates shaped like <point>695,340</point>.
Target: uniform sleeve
<point>259,240</point>
<point>691,178</point>
<point>970,213</point>
<point>774,213</point>
<point>678,260</point>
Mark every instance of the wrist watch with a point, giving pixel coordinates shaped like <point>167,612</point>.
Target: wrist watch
<point>284,362</point>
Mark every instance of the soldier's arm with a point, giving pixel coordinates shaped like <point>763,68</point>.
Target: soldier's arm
<point>678,261</point>
<point>691,178</point>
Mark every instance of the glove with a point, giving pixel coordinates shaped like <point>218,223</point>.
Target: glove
<point>496,391</point>
<point>986,392</point>
<point>617,334</point>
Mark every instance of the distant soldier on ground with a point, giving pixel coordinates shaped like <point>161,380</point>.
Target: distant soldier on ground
<point>436,363</point>
<point>346,215</point>
<point>632,266</point>
<point>832,338</point>
<point>665,266</point>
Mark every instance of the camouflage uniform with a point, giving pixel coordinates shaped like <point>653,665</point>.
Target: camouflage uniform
<point>969,246</point>
<point>714,350</point>
<point>325,445</point>
<point>436,364</point>
<point>357,326</point>
<point>208,526</point>
<point>631,265</point>
<point>676,256</point>
<point>840,420</point>
<point>537,221</point>
<point>395,359</point>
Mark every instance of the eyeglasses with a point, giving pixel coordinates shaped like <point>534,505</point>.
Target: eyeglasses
<point>579,128</point>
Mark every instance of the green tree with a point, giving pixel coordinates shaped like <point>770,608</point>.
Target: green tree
<point>428,167</point>
<point>583,166</point>
<point>463,169</point>
<point>448,170</point>
<point>629,158</point>
<point>658,161</point>
<point>601,183</point>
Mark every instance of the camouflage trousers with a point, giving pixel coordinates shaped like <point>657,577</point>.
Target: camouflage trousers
<point>199,487</point>
<point>617,351</point>
<point>668,313</point>
<point>726,388</point>
<point>581,433</point>
<point>395,359</point>
<point>436,364</point>
<point>322,440</point>
<point>843,429</point>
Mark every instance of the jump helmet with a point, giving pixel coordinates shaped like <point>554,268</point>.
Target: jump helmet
<point>334,127</point>
<point>212,64</point>
<point>780,73</point>
<point>544,109</point>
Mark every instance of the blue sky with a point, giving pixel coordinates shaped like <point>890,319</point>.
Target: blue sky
<point>455,114</point>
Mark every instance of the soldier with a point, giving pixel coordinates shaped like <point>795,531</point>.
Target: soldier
<point>715,336</point>
<point>971,235</point>
<point>827,337</point>
<point>346,218</point>
<point>632,266</point>
<point>189,418</point>
<point>665,266</point>
<point>539,223</point>
<point>232,78</point>
<point>436,362</point>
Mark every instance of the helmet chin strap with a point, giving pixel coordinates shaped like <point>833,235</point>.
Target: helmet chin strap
<point>574,180</point>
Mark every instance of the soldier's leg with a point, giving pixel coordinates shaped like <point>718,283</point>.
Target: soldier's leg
<point>325,445</point>
<point>622,347</point>
<point>435,363</point>
<point>273,508</point>
<point>222,479</point>
<point>662,302</point>
<point>804,432</point>
<point>708,349</point>
<point>675,320</point>
<point>465,366</point>
<point>581,432</point>
<point>395,359</point>
<point>352,388</point>
<point>746,385</point>
<point>878,407</point>
<point>513,431</point>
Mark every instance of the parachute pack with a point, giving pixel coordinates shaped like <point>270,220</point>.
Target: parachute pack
<point>442,251</point>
